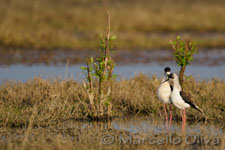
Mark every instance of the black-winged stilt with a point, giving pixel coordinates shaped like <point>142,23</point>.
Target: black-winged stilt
<point>164,93</point>
<point>180,99</point>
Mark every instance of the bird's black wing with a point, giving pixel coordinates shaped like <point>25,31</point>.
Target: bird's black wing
<point>171,87</point>
<point>188,100</point>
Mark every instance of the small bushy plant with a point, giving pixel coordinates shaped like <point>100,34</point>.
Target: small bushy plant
<point>183,54</point>
<point>101,69</point>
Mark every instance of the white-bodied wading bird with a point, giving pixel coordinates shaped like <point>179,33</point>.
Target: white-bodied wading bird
<point>164,94</point>
<point>180,99</point>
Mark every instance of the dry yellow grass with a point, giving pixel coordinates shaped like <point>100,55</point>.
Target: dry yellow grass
<point>43,114</point>
<point>60,100</point>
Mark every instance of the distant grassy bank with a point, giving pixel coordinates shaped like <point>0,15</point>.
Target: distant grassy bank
<point>139,24</point>
<point>56,101</point>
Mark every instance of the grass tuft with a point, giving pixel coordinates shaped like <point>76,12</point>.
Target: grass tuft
<point>60,100</point>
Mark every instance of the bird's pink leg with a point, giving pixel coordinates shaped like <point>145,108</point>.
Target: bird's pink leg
<point>184,118</point>
<point>182,127</point>
<point>170,116</point>
<point>166,116</point>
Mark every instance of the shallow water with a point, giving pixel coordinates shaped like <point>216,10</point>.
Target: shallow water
<point>24,73</point>
<point>146,125</point>
<point>207,64</point>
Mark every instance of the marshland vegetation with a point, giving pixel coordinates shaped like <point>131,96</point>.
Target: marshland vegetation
<point>59,100</point>
<point>49,113</point>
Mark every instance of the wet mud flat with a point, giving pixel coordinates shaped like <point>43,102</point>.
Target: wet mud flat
<point>211,57</point>
<point>121,133</point>
<point>26,65</point>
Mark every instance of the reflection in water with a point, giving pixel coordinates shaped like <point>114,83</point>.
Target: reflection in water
<point>24,73</point>
<point>146,125</point>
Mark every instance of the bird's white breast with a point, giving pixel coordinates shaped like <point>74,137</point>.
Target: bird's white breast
<point>177,100</point>
<point>164,92</point>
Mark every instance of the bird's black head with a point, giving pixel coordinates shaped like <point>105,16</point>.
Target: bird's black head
<point>167,69</point>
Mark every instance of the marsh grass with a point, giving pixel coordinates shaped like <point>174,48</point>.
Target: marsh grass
<point>60,100</point>
<point>75,24</point>
<point>50,114</point>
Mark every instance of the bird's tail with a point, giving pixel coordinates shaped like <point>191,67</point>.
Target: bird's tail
<point>196,107</point>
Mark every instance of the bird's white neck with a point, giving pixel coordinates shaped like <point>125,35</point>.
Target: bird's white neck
<point>176,85</point>
<point>164,78</point>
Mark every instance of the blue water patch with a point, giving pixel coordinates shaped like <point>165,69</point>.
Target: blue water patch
<point>24,72</point>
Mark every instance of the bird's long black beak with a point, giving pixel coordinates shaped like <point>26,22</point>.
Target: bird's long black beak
<point>168,77</point>
<point>165,80</point>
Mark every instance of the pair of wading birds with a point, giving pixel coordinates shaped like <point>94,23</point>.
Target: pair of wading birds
<point>173,94</point>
